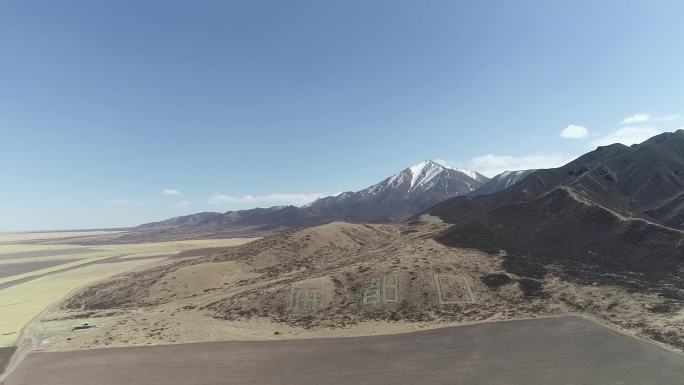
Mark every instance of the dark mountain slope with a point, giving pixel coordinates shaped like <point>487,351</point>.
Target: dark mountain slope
<point>564,227</point>
<point>537,183</point>
<point>501,182</point>
<point>671,213</point>
<point>614,215</point>
<point>641,180</point>
<point>186,220</point>
<point>645,180</point>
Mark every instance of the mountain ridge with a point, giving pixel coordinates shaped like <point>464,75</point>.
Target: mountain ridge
<point>395,198</point>
<point>617,208</point>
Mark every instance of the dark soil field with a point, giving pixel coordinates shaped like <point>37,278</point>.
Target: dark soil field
<point>46,253</point>
<point>5,285</point>
<point>8,270</point>
<point>5,356</point>
<point>563,350</point>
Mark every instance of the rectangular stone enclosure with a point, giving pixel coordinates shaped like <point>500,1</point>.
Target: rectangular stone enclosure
<point>309,296</point>
<point>453,289</point>
<point>382,290</point>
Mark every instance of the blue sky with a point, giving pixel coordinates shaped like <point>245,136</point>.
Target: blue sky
<point>104,105</point>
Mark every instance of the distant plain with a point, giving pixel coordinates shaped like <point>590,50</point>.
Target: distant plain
<point>34,276</point>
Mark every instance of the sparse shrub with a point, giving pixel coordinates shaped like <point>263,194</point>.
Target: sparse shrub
<point>494,281</point>
<point>672,293</point>
<point>663,308</point>
<point>523,267</point>
<point>531,288</point>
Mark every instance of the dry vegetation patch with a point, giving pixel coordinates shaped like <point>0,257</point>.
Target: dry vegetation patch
<point>338,278</point>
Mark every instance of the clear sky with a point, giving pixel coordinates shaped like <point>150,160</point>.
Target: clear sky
<point>121,112</point>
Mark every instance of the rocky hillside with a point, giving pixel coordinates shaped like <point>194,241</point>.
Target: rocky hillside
<point>501,182</point>
<point>617,210</point>
<point>394,199</point>
<point>644,181</point>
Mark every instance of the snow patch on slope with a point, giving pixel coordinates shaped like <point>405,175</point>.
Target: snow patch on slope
<point>471,174</point>
<point>423,173</point>
<point>416,171</point>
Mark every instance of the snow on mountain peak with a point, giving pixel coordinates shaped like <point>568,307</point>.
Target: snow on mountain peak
<point>422,176</point>
<point>424,172</point>
<point>471,174</point>
<point>417,170</point>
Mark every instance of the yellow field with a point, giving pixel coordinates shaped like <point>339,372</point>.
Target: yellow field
<point>18,237</point>
<point>174,247</point>
<point>106,251</point>
<point>21,247</point>
<point>21,303</point>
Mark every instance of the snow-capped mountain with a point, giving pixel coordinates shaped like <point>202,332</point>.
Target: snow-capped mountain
<point>501,182</point>
<point>395,198</point>
<point>427,176</point>
<point>403,194</point>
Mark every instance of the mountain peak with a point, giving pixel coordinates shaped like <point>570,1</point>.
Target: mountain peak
<point>424,172</point>
<point>429,164</point>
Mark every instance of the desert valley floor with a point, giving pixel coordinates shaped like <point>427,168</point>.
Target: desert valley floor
<point>167,301</point>
<point>559,350</point>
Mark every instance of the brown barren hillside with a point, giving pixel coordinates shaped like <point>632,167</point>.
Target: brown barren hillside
<point>645,180</point>
<point>616,208</point>
<point>564,227</point>
<point>345,279</point>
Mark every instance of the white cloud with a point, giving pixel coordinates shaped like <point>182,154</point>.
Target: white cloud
<point>170,191</point>
<point>637,128</point>
<point>637,119</point>
<point>641,127</point>
<point>574,132</point>
<point>491,164</point>
<point>668,118</point>
<point>182,204</point>
<point>628,135</point>
<point>641,119</point>
<point>271,199</point>
<point>124,203</point>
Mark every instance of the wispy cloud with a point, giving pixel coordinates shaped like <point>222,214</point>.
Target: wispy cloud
<point>124,203</point>
<point>170,191</point>
<point>628,135</point>
<point>270,199</point>
<point>492,164</point>
<point>181,204</point>
<point>574,131</point>
<point>636,119</point>
<point>637,128</point>
<point>639,119</point>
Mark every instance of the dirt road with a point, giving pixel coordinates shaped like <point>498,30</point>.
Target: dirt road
<point>564,350</point>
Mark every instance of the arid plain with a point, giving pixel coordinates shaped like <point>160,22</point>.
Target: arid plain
<point>37,270</point>
<point>334,280</point>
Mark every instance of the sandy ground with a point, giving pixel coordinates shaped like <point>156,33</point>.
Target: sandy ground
<point>32,277</point>
<point>17,257</point>
<point>22,237</point>
<point>562,350</point>
<point>333,281</point>
<point>19,304</point>
<point>13,269</point>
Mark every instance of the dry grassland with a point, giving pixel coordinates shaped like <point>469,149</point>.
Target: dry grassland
<point>24,301</point>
